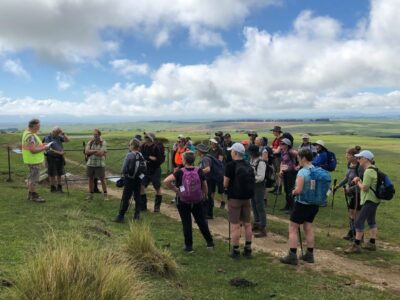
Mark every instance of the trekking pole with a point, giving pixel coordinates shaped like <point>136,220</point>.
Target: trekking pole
<point>9,164</point>
<point>276,198</point>
<point>66,184</point>
<point>301,242</point>
<point>330,214</point>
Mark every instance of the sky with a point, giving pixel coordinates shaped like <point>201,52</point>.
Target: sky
<point>198,59</point>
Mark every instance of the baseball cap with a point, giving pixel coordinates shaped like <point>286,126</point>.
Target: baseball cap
<point>286,142</point>
<point>245,142</point>
<point>365,153</point>
<point>237,147</point>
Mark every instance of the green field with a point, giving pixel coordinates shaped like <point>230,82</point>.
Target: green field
<point>205,275</point>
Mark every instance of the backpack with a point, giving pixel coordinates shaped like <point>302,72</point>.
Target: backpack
<point>331,162</point>
<point>269,178</point>
<point>384,187</point>
<point>217,169</point>
<point>317,192</point>
<point>191,183</point>
<point>160,147</point>
<point>137,166</point>
<point>244,181</point>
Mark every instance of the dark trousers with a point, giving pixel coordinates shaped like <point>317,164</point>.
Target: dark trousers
<point>132,186</point>
<point>186,211</point>
<point>289,181</point>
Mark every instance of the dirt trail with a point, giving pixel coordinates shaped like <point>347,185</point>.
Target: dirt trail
<point>276,245</point>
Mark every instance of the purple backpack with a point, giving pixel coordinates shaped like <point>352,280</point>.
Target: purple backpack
<point>192,186</point>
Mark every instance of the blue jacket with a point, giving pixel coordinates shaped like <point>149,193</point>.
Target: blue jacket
<point>321,159</point>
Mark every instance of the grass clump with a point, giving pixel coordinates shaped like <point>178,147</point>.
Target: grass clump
<point>141,250</point>
<point>62,269</point>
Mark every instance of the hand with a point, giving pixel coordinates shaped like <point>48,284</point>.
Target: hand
<point>356,180</point>
<point>151,157</point>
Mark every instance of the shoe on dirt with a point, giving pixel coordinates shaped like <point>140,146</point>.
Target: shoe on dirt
<point>308,257</point>
<point>261,233</point>
<point>247,252</point>
<point>290,259</point>
<point>369,246</point>
<point>353,249</point>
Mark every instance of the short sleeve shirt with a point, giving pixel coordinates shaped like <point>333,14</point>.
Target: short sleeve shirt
<point>370,179</point>
<point>93,160</point>
<point>230,170</point>
<point>305,173</point>
<point>179,174</point>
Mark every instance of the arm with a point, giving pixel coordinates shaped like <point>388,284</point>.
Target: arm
<point>32,146</point>
<point>168,183</point>
<point>204,188</point>
<point>260,175</point>
<point>226,182</point>
<point>66,138</point>
<point>299,186</point>
<point>365,184</point>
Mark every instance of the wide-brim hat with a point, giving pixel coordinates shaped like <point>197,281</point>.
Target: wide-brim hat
<point>320,142</point>
<point>305,136</point>
<point>202,148</point>
<point>149,136</point>
<point>277,129</point>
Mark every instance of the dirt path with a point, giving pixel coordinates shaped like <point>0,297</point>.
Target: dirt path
<point>276,245</point>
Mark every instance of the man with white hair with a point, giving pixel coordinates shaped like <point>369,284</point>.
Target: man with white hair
<point>55,158</point>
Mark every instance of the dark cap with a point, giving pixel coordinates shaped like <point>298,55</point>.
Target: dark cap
<point>277,129</point>
<point>202,148</point>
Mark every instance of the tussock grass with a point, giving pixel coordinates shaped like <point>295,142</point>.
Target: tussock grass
<point>142,251</point>
<point>62,269</point>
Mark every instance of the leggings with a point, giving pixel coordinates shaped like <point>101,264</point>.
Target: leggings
<point>367,213</point>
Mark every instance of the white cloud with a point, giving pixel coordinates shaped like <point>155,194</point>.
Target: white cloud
<point>71,31</point>
<point>64,81</point>
<point>15,67</point>
<point>128,68</point>
<point>318,67</point>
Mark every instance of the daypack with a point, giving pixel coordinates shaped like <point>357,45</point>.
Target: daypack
<point>384,187</point>
<point>331,162</point>
<point>191,192</point>
<point>317,192</point>
<point>244,181</point>
<point>217,169</point>
<point>269,178</point>
<point>160,146</point>
<point>137,166</point>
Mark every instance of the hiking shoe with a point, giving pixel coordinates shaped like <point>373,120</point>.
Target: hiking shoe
<point>356,249</point>
<point>247,252</point>
<point>136,215</point>
<point>349,236</point>
<point>222,205</point>
<point>369,246</point>
<point>118,219</point>
<point>59,189</point>
<point>234,254</point>
<point>53,189</point>
<point>188,249</point>
<point>36,198</point>
<point>210,245</point>
<point>290,259</point>
<point>262,233</point>
<point>308,257</point>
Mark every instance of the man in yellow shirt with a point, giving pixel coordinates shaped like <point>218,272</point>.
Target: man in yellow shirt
<point>33,157</point>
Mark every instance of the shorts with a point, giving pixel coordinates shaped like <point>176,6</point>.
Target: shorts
<point>367,213</point>
<point>154,178</point>
<point>34,174</point>
<point>55,166</point>
<point>95,172</point>
<point>303,213</point>
<point>239,211</point>
<point>213,185</point>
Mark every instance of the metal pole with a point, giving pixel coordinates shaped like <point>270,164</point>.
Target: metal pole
<point>9,164</point>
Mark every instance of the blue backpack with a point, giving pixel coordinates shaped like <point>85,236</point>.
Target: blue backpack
<point>316,192</point>
<point>331,162</point>
<point>217,169</point>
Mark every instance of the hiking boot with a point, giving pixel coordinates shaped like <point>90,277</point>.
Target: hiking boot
<point>136,215</point>
<point>349,236</point>
<point>53,189</point>
<point>262,233</point>
<point>157,203</point>
<point>118,219</point>
<point>36,198</point>
<point>222,206</point>
<point>188,249</point>
<point>369,246</point>
<point>210,245</point>
<point>59,189</point>
<point>89,196</point>
<point>247,252</point>
<point>234,254</point>
<point>290,259</point>
<point>308,257</point>
<point>356,249</point>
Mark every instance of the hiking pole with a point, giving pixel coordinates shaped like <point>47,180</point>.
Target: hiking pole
<point>66,184</point>
<point>333,200</point>
<point>301,242</point>
<point>276,197</point>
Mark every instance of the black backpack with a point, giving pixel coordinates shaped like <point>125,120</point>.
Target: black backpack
<point>137,166</point>
<point>217,168</point>
<point>244,181</point>
<point>160,147</point>
<point>384,187</point>
<point>269,178</point>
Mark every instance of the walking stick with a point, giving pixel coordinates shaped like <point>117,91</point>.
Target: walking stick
<point>301,242</point>
<point>276,198</point>
<point>330,214</point>
<point>66,184</point>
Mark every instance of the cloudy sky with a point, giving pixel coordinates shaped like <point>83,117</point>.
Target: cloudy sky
<point>184,59</point>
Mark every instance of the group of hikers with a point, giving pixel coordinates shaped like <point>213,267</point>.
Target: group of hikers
<point>239,172</point>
